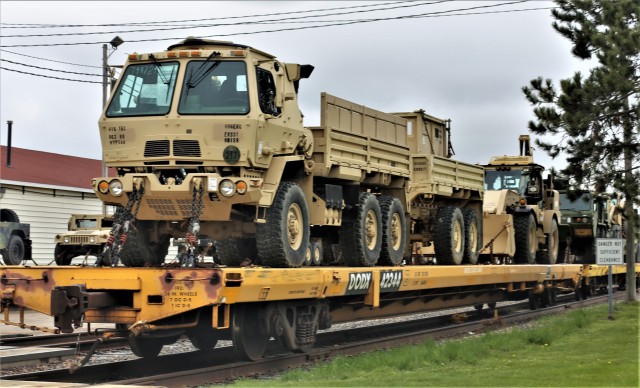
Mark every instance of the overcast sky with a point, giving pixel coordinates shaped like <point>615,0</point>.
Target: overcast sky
<point>468,68</point>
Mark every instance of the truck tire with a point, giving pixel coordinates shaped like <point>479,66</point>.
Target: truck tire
<point>472,236</point>
<point>526,238</point>
<point>15,252</point>
<point>394,231</point>
<point>8,215</point>
<point>142,250</point>
<point>62,255</point>
<point>233,251</point>
<point>449,236</point>
<point>549,255</point>
<point>317,253</point>
<point>283,239</point>
<point>361,233</point>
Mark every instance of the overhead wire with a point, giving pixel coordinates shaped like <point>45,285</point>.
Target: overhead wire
<point>267,21</point>
<point>429,14</point>
<point>45,68</point>
<point>17,25</point>
<point>48,76</point>
<point>337,23</point>
<point>48,59</point>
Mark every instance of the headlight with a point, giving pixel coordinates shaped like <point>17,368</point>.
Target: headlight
<point>115,187</point>
<point>66,240</point>
<point>227,188</point>
<point>92,239</point>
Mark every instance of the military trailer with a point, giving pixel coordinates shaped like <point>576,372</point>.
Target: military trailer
<point>15,241</point>
<point>87,235</point>
<point>208,141</point>
<point>521,211</point>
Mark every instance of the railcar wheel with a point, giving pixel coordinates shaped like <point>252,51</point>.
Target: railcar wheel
<point>394,230</point>
<point>15,252</point>
<point>449,236</point>
<point>146,347</point>
<point>472,236</point>
<point>526,238</point>
<point>534,301</point>
<point>361,235</point>
<point>203,338</point>
<point>249,333</point>
<point>283,240</point>
<point>552,246</point>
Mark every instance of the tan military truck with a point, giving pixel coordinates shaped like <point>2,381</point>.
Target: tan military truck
<point>208,142</point>
<point>86,236</point>
<point>521,211</point>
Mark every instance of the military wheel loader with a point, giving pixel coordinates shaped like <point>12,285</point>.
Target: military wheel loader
<point>521,210</point>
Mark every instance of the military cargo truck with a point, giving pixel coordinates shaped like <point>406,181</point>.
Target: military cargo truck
<point>521,210</point>
<point>208,142</point>
<point>87,235</point>
<point>15,241</point>
<point>584,218</point>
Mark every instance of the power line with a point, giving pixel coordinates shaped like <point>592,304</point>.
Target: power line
<point>226,24</point>
<point>48,76</point>
<point>47,59</point>
<point>431,14</point>
<point>17,25</point>
<point>45,68</point>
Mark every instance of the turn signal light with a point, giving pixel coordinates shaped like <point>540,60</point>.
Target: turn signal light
<point>103,187</point>
<point>241,187</point>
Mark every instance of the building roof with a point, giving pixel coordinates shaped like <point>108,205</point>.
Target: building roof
<point>46,168</point>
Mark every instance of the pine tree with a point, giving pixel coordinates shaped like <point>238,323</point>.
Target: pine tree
<point>595,116</point>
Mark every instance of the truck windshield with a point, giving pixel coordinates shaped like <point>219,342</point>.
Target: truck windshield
<point>501,180</point>
<point>144,89</point>
<point>221,91</point>
<point>581,203</point>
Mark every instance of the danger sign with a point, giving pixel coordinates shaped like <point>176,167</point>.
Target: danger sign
<point>609,251</point>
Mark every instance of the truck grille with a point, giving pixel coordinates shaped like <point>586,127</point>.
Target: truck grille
<point>155,148</point>
<point>160,148</point>
<point>79,239</point>
<point>186,148</point>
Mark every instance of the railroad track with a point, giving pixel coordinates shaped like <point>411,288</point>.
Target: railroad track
<point>222,364</point>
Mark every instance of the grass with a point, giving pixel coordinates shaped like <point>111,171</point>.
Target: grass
<point>580,348</point>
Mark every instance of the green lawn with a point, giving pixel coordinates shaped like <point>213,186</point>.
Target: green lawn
<point>581,348</point>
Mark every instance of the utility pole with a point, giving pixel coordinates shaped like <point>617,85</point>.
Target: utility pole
<point>105,75</point>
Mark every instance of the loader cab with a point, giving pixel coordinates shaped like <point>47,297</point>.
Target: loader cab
<point>526,180</point>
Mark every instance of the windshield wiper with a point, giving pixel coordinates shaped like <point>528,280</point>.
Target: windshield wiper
<point>196,77</point>
<point>159,68</point>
